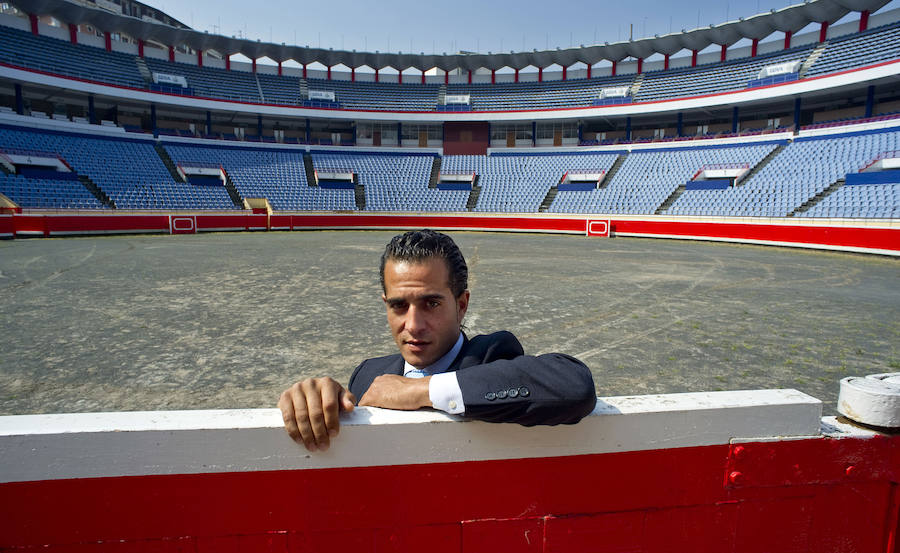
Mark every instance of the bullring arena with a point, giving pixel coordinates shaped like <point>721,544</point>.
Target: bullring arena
<point>191,222</point>
<point>229,320</point>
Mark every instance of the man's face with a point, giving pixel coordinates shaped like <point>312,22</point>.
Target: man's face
<point>423,314</point>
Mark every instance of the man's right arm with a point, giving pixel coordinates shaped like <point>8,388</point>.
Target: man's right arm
<point>311,411</point>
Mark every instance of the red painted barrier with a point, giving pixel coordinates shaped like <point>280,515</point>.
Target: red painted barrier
<point>802,233</point>
<point>30,225</point>
<point>838,236</point>
<point>7,228</point>
<point>59,225</point>
<point>523,223</point>
<point>425,482</point>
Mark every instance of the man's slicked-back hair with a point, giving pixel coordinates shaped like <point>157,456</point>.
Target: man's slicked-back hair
<point>417,246</point>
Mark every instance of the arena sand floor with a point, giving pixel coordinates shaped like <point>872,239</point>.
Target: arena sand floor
<point>229,320</point>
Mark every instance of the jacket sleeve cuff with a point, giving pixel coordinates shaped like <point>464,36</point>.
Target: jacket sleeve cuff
<point>445,394</point>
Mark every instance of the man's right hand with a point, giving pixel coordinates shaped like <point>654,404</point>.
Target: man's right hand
<point>310,409</point>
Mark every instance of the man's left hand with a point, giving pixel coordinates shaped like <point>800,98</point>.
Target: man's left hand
<point>392,391</point>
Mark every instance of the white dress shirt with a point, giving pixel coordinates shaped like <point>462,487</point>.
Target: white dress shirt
<point>443,388</point>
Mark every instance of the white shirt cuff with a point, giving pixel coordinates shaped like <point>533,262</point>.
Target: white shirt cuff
<point>444,393</point>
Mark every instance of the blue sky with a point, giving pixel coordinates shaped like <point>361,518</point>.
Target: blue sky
<point>450,26</point>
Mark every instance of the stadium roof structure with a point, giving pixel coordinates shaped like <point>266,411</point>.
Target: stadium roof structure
<point>789,19</point>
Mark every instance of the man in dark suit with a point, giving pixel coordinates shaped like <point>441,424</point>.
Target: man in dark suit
<point>425,283</point>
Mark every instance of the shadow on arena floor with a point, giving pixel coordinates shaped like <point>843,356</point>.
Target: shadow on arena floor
<point>229,320</point>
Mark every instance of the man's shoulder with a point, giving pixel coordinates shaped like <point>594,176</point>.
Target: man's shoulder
<point>488,347</point>
<point>501,336</point>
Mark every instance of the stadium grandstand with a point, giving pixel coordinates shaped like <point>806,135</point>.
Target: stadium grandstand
<point>118,111</point>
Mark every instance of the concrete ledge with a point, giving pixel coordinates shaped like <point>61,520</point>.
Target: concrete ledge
<point>64,446</point>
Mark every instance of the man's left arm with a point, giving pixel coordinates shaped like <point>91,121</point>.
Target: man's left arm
<point>546,389</point>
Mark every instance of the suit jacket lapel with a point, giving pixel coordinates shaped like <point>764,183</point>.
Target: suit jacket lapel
<point>396,367</point>
<point>455,365</point>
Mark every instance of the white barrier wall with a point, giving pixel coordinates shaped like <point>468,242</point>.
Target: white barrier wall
<point>91,445</point>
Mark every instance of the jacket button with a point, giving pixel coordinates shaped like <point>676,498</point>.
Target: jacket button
<point>501,394</point>
<point>513,392</point>
<point>490,396</point>
<point>523,391</point>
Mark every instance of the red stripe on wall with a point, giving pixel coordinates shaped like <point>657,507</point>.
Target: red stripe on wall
<point>152,507</point>
<point>885,239</point>
<point>449,222</point>
<point>858,237</point>
<point>802,498</point>
<point>104,223</point>
<point>6,225</point>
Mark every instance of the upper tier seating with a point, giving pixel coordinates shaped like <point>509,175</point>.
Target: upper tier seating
<point>211,82</point>
<point>858,50</point>
<point>534,95</point>
<point>279,89</point>
<point>394,182</point>
<point>129,171</point>
<point>21,48</point>
<point>380,96</point>
<point>276,174</point>
<point>64,58</point>
<point>711,78</point>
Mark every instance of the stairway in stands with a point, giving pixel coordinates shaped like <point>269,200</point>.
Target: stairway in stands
<point>143,69</point>
<point>359,194</point>
<point>474,194</point>
<point>813,56</point>
<point>262,96</point>
<point>304,90</point>
<point>551,195</point>
<point>607,178</point>
<point>670,200</point>
<point>636,85</point>
<point>435,172</point>
<point>236,198</point>
<point>167,161</point>
<point>808,204</point>
<point>758,167</point>
<point>101,196</point>
<point>310,170</point>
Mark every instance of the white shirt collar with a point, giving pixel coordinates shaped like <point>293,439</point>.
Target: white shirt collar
<point>441,364</point>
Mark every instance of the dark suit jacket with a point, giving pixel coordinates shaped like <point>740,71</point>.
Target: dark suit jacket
<point>499,383</point>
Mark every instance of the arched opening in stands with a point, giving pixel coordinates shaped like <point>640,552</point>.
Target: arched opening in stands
<point>577,70</point>
<point>316,70</point>
<point>528,74</point>
<point>363,73</point>
<point>553,72</point>
<point>387,74</point>
<point>654,62</point>
<point>411,75</point>
<point>602,68</point>
<point>266,64</point>
<point>341,72</point>
<point>239,61</point>
<point>503,74</point>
